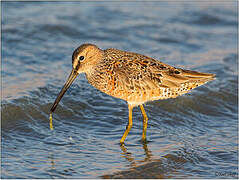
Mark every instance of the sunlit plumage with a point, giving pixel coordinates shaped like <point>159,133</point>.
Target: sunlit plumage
<point>132,77</point>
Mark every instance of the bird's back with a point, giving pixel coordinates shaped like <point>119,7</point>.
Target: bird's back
<point>137,78</point>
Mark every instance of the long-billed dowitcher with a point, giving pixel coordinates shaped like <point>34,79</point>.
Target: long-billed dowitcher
<point>132,77</point>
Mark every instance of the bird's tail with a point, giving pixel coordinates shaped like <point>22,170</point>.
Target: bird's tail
<point>197,76</point>
<point>193,79</point>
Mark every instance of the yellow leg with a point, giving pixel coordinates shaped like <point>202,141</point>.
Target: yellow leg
<point>129,125</point>
<point>145,122</point>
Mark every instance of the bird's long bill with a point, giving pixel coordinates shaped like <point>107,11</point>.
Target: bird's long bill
<point>68,83</point>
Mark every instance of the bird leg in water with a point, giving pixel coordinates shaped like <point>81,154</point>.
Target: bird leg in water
<point>145,122</point>
<point>129,124</point>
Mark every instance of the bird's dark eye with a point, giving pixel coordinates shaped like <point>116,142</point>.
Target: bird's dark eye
<point>81,58</point>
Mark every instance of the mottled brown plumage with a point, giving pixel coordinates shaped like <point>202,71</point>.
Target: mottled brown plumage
<point>136,78</point>
<point>132,77</point>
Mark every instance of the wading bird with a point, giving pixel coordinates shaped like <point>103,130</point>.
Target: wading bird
<point>132,77</point>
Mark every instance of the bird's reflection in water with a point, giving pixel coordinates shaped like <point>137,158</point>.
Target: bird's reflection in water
<point>58,172</point>
<point>150,167</point>
<point>129,156</point>
<point>51,161</point>
<point>51,158</point>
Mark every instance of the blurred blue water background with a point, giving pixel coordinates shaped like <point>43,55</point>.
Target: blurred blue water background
<point>192,136</point>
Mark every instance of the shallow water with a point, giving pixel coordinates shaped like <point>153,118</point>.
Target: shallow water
<point>192,136</point>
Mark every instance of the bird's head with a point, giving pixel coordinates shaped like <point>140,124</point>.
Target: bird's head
<point>85,56</point>
<point>83,60</point>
